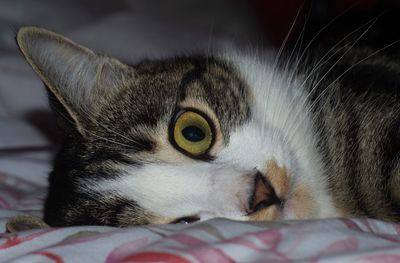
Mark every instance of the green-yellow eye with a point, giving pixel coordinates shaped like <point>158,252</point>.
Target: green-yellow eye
<point>192,132</point>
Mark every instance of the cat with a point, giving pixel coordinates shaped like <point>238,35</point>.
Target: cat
<point>233,135</point>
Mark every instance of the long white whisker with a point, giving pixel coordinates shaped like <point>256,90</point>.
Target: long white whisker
<point>210,41</point>
<point>299,42</point>
<point>283,45</point>
<point>321,62</point>
<point>305,100</point>
<point>323,28</point>
<point>300,58</point>
<point>320,96</point>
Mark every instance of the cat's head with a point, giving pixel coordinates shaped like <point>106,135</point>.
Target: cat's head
<point>175,140</point>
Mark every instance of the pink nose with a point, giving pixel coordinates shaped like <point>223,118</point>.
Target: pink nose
<point>263,195</point>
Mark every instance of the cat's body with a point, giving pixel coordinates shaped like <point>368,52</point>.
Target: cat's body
<point>358,123</point>
<point>228,135</point>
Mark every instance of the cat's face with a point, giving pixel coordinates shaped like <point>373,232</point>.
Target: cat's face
<point>176,140</point>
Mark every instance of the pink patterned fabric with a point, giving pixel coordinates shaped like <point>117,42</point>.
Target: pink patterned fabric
<point>217,240</point>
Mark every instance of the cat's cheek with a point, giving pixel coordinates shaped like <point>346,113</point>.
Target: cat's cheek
<point>271,213</point>
<point>279,178</point>
<point>300,204</point>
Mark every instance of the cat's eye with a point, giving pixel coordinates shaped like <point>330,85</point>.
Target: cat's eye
<point>191,132</point>
<point>186,220</point>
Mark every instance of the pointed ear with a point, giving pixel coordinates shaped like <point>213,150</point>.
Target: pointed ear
<point>79,80</point>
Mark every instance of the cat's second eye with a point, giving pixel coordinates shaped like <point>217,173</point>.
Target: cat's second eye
<point>186,220</point>
<point>191,132</point>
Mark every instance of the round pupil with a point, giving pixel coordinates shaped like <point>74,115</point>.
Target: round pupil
<point>193,134</point>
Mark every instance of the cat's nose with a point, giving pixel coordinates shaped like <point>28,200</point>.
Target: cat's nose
<point>263,194</point>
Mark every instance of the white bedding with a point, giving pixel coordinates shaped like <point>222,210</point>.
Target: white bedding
<point>131,30</point>
<point>216,240</point>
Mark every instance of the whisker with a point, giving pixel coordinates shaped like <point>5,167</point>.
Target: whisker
<point>320,96</point>
<point>300,39</point>
<point>371,21</point>
<point>210,41</point>
<point>278,56</point>
<point>322,61</point>
<point>86,112</point>
<point>283,45</point>
<point>324,28</point>
<point>300,58</point>
<point>91,133</point>
<point>298,44</point>
<point>305,100</point>
<point>295,47</point>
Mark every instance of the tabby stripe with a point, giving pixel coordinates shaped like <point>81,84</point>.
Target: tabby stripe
<point>117,207</point>
<point>390,157</point>
<point>190,77</point>
<point>353,162</point>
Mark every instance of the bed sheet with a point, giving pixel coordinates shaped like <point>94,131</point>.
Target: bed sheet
<point>215,240</point>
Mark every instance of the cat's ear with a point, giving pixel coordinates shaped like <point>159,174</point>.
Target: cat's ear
<point>79,80</point>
